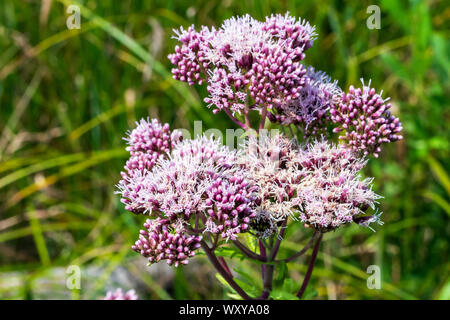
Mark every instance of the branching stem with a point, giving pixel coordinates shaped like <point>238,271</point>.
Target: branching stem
<point>305,248</point>
<point>227,276</point>
<point>235,120</point>
<point>246,251</point>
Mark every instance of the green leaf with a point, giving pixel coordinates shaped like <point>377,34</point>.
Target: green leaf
<point>309,294</point>
<point>229,252</point>
<point>438,200</point>
<point>282,273</point>
<point>444,293</point>
<point>252,242</point>
<point>289,285</point>
<point>245,276</point>
<point>249,288</point>
<point>440,173</point>
<point>234,296</point>
<point>224,282</point>
<point>282,295</point>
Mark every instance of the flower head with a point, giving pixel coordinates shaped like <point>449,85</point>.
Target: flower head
<point>237,42</point>
<point>364,118</point>
<point>119,295</point>
<point>268,164</point>
<point>332,190</point>
<point>232,202</point>
<point>147,143</point>
<point>177,184</point>
<point>310,109</point>
<point>226,91</point>
<point>205,149</point>
<point>276,76</point>
<point>288,28</point>
<point>151,137</point>
<point>190,58</point>
<point>165,240</point>
<point>245,59</point>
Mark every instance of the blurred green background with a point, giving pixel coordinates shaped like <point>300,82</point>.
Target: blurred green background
<point>67,97</point>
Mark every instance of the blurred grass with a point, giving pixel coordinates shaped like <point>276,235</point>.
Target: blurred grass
<point>68,96</point>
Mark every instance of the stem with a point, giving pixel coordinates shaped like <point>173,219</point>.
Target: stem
<point>279,239</point>
<point>239,123</point>
<point>267,281</point>
<point>196,221</point>
<point>301,252</point>
<point>228,278</point>
<point>263,118</point>
<point>262,250</point>
<point>310,267</point>
<point>246,112</point>
<point>247,119</point>
<point>224,265</point>
<point>197,231</point>
<point>248,252</point>
<point>267,274</point>
<point>216,240</point>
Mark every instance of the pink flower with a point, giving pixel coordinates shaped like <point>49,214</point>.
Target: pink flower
<point>119,295</point>
<point>147,143</point>
<point>165,240</point>
<point>310,109</point>
<point>332,189</point>
<point>365,121</point>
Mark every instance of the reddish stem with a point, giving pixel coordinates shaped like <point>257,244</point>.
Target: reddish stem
<point>310,267</point>
<point>239,123</point>
<point>279,239</point>
<point>262,250</point>
<point>248,252</point>
<point>228,278</point>
<point>224,265</point>
<point>263,118</point>
<point>301,252</point>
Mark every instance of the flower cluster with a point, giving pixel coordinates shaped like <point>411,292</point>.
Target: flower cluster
<point>178,183</point>
<point>197,191</point>
<point>147,143</point>
<point>166,240</point>
<point>197,178</point>
<point>119,295</point>
<point>332,190</point>
<point>310,109</point>
<point>365,120</point>
<point>299,32</point>
<point>190,59</point>
<point>268,163</point>
<point>226,91</point>
<point>318,182</point>
<point>231,201</point>
<point>244,59</point>
<point>276,78</point>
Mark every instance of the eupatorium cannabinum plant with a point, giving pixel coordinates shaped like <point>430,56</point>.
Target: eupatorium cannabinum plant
<point>197,194</point>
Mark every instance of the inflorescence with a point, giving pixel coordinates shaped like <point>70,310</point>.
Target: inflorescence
<point>192,189</point>
<point>364,117</point>
<point>244,59</point>
<point>119,295</point>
